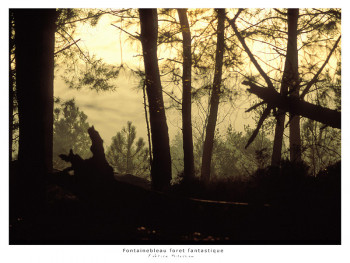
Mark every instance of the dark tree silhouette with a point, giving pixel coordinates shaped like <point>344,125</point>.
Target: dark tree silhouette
<point>290,82</point>
<point>11,83</point>
<point>215,96</point>
<point>161,163</point>
<point>94,176</point>
<point>35,41</point>
<point>295,106</point>
<point>186,96</point>
<point>294,88</point>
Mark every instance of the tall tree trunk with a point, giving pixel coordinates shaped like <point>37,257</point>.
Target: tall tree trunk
<point>35,42</point>
<point>161,165</point>
<point>186,96</point>
<point>294,88</point>
<point>11,97</point>
<point>11,82</point>
<point>214,100</point>
<point>289,80</point>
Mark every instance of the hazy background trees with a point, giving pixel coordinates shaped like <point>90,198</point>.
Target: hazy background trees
<point>69,132</point>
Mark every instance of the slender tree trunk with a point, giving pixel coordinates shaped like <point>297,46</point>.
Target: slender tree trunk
<point>214,100</point>
<point>147,125</point>
<point>128,148</point>
<point>186,96</point>
<point>294,88</point>
<point>35,41</point>
<point>161,165</point>
<point>289,80</point>
<point>11,91</point>
<point>11,97</point>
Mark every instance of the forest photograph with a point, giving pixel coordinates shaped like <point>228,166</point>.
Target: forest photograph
<point>189,126</point>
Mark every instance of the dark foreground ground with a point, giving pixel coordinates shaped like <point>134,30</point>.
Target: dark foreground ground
<point>131,214</point>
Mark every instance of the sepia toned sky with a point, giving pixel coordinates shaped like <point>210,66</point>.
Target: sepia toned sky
<point>109,111</point>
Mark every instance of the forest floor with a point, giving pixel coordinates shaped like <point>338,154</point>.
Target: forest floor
<point>137,215</point>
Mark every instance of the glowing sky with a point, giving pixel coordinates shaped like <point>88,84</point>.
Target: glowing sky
<point>109,111</point>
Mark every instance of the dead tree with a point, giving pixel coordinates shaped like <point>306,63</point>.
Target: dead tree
<point>94,176</point>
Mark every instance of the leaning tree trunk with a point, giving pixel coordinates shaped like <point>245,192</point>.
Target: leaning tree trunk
<point>296,106</point>
<point>289,80</point>
<point>35,41</point>
<point>214,100</point>
<point>186,97</point>
<point>161,165</point>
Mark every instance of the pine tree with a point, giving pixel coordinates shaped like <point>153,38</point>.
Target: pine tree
<point>126,155</point>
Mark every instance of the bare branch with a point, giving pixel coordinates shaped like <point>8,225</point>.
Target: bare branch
<point>255,106</point>
<point>67,47</point>
<point>260,123</point>
<point>251,56</point>
<point>134,36</point>
<point>173,60</point>
<point>172,97</point>
<point>314,79</point>
<point>75,44</point>
<point>280,12</point>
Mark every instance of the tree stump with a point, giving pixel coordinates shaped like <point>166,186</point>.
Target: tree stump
<point>94,176</point>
